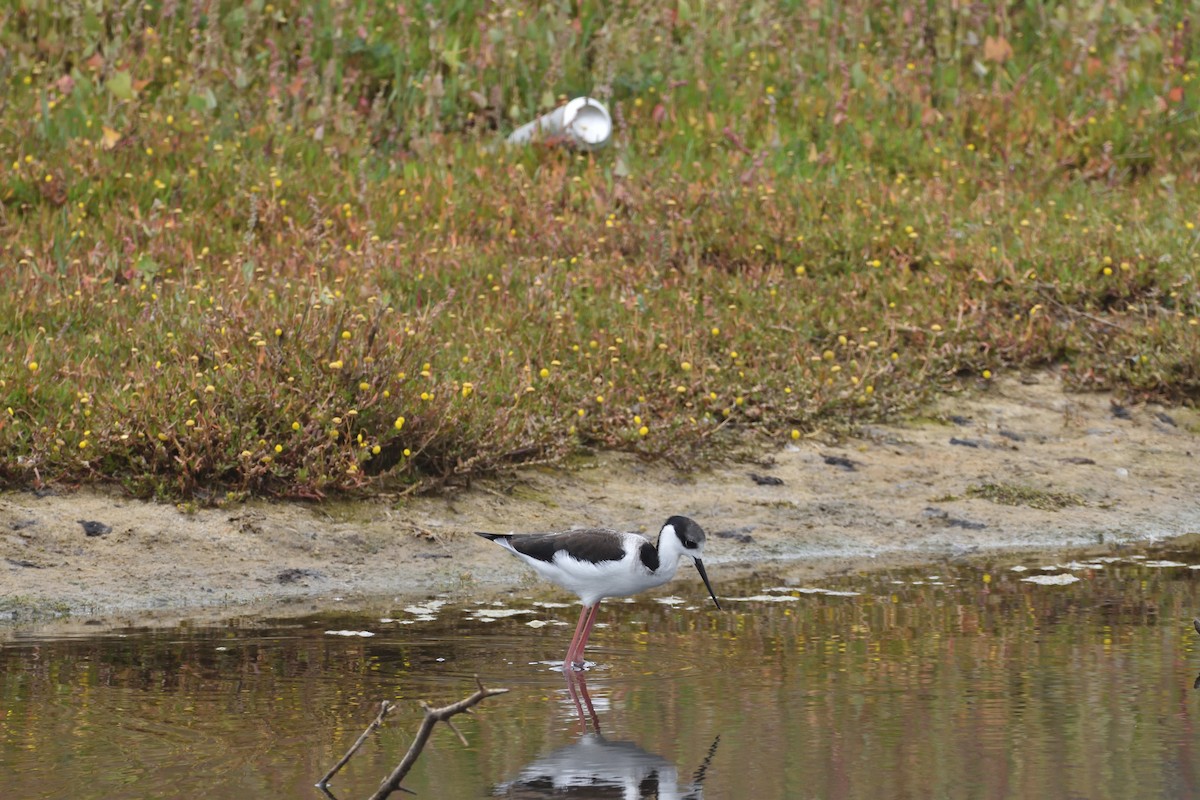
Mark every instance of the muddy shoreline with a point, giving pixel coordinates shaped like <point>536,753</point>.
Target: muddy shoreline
<point>898,494</point>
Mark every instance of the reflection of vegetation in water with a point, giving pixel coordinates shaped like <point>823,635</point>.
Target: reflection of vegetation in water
<point>921,685</point>
<point>992,683</point>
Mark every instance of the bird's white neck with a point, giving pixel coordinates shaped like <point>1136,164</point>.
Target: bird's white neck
<point>670,554</point>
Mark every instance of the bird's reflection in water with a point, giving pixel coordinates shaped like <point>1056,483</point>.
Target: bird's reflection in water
<point>594,767</point>
<point>577,688</point>
<point>1196,625</point>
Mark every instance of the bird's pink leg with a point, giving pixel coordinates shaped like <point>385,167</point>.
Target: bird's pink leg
<point>579,626</point>
<point>583,638</point>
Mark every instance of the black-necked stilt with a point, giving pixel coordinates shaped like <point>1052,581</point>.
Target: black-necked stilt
<point>595,564</point>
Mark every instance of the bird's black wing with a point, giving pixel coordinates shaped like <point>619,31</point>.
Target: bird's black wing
<point>582,545</point>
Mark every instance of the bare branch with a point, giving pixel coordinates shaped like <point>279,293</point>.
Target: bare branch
<point>432,717</point>
<point>385,708</point>
<point>458,733</point>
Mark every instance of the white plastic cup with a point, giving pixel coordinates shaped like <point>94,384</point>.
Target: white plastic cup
<point>584,122</point>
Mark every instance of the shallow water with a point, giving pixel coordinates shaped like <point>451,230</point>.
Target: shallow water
<point>961,681</point>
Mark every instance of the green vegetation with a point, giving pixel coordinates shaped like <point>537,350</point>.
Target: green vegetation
<point>1010,494</point>
<point>23,609</point>
<point>273,248</point>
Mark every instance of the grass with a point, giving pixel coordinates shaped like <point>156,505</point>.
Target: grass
<point>275,249</point>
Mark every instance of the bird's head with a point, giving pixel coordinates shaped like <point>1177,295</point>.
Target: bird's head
<point>691,540</point>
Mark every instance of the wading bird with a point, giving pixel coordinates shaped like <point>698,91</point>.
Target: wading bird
<point>598,563</point>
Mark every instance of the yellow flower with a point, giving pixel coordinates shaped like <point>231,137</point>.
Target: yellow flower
<point>686,366</point>
<point>295,426</point>
<point>642,431</point>
<point>335,364</point>
<point>363,386</point>
<point>33,366</point>
<point>545,373</point>
<point>467,388</point>
<point>399,423</point>
<point>82,444</point>
<point>375,450</point>
<point>795,433</point>
<point>278,448</point>
<point>346,334</point>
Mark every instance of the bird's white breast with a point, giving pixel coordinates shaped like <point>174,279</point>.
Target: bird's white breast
<point>593,581</point>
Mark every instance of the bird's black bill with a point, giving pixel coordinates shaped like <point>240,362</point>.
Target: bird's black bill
<point>707,585</point>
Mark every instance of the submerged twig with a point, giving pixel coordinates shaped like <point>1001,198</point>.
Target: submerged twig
<point>385,708</point>
<point>702,770</point>
<point>432,717</point>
